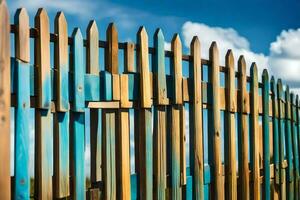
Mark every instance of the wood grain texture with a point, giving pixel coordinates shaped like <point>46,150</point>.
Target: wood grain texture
<point>108,154</point>
<point>195,122</point>
<point>281,131</point>
<point>92,58</point>
<point>176,69</point>
<point>160,88</point>
<point>124,93</point>
<point>218,187</point>
<point>61,63</point>
<point>42,59</point>
<point>143,68</point>
<point>230,168</point>
<point>123,155</point>
<point>266,134</point>
<point>111,54</point>
<point>289,146</point>
<point>129,58</point>
<point>243,130</point>
<point>22,42</point>
<point>254,127</point>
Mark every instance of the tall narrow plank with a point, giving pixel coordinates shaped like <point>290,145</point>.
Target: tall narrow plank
<point>111,55</point>
<point>182,149</point>
<point>159,132</point>
<point>216,123</point>
<point>195,121</point>
<point>243,130</point>
<point>123,155</point>
<point>231,176</point>
<point>275,136</point>
<point>22,110</point>
<point>295,145</point>
<point>93,67</point>
<point>281,111</point>
<point>266,134</point>
<point>129,58</point>
<point>254,131</point>
<point>175,117</point>
<point>143,68</point>
<point>297,137</point>
<point>77,121</point>
<point>288,146</point>
<point>145,140</point>
<point>177,69</point>
<point>62,116</point>
<point>43,116</point>
<point>108,154</point>
<point>61,63</point>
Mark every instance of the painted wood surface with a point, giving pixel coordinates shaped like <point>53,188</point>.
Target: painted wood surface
<point>243,130</point>
<point>218,186</point>
<point>195,122</point>
<point>254,132</point>
<point>230,168</point>
<point>266,134</point>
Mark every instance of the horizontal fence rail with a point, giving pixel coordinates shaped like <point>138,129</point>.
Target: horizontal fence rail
<point>150,130</point>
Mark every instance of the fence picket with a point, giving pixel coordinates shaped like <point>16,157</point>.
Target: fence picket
<point>195,112</point>
<point>43,115</point>
<point>159,132</point>
<point>231,189</point>
<point>77,130</point>
<point>243,130</point>
<point>22,110</point>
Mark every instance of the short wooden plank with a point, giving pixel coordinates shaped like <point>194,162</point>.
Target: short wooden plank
<point>123,155</point>
<point>230,168</point>
<point>266,134</point>
<point>289,146</point>
<point>254,131</point>
<point>195,122</point>
<point>22,131</point>
<point>42,59</point>
<point>129,58</point>
<point>77,132</point>
<point>218,187</point>
<point>160,115</point>
<point>61,63</point>
<point>92,58</point>
<point>281,132</point>
<point>43,116</point>
<point>176,69</point>
<point>111,54</point>
<point>160,88</point>
<point>143,68</point>
<point>109,158</point>
<point>22,42</point>
<point>124,93</point>
<point>295,145</point>
<point>243,130</point>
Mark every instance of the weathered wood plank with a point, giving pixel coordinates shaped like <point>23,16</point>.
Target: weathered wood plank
<point>22,110</point>
<point>289,146</point>
<point>230,167</point>
<point>182,149</point>
<point>195,122</point>
<point>61,63</point>
<point>243,130</point>
<point>129,58</point>
<point>77,133</point>
<point>255,132</point>
<point>281,110</point>
<point>218,187</point>
<point>143,68</point>
<point>176,69</point>
<point>266,135</point>
<point>124,94</point>
<point>92,58</point>
<point>159,132</point>
<point>295,145</point>
<point>43,116</point>
<point>109,150</point>
<point>111,54</point>
<point>123,155</point>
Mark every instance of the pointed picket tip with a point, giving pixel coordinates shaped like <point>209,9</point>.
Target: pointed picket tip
<point>265,74</point>
<point>92,27</point>
<point>229,59</point>
<point>21,16</point>
<point>195,41</point>
<point>287,93</point>
<point>77,33</point>
<point>111,29</point>
<point>176,39</point>
<point>229,54</point>
<point>272,79</point>
<point>142,32</point>
<point>60,18</point>
<point>42,14</point>
<point>253,69</point>
<point>159,34</point>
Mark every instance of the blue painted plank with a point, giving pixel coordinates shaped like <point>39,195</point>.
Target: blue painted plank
<point>189,188</point>
<point>106,86</point>
<point>92,87</point>
<point>22,130</point>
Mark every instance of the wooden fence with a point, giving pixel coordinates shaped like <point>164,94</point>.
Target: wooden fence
<point>242,135</point>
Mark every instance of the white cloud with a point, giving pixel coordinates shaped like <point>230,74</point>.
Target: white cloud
<point>283,60</point>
